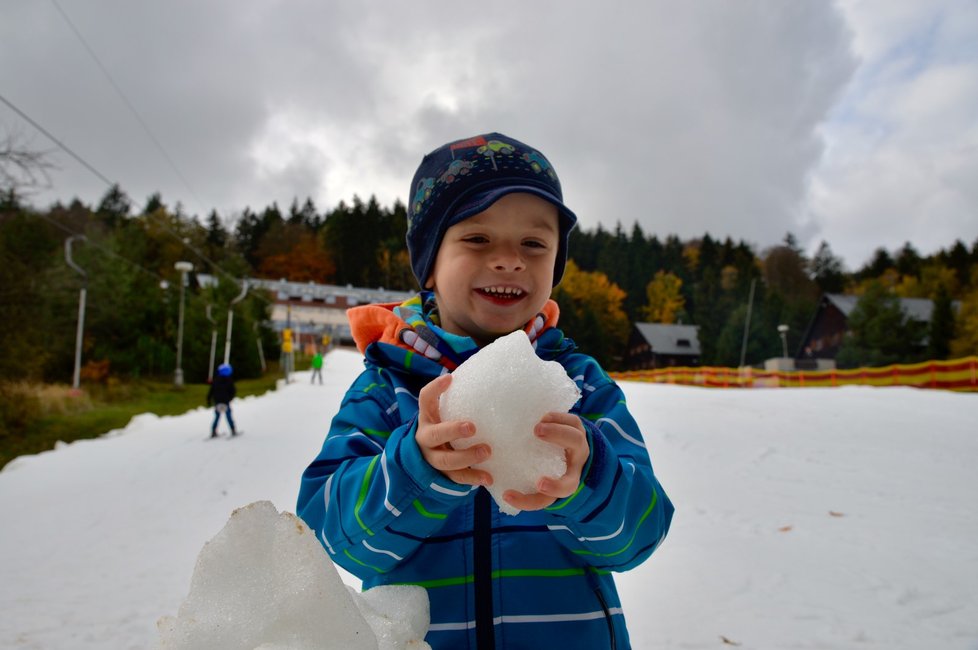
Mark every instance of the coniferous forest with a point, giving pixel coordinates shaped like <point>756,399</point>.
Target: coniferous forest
<point>615,278</point>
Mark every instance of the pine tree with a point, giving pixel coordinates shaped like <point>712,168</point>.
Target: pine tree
<point>114,207</point>
<point>827,270</point>
<point>882,333</point>
<point>941,330</point>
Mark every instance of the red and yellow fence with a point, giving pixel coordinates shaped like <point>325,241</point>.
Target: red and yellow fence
<point>959,374</point>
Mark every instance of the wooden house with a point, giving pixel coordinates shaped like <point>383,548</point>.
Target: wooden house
<point>657,345</point>
<point>830,324</point>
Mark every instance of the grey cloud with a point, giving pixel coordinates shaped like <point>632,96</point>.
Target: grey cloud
<point>689,117</point>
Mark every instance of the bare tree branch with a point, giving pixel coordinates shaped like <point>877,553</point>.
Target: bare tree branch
<point>22,168</point>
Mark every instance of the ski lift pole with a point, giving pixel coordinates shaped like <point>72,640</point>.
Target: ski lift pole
<point>227,341</point>
<point>79,334</point>
<point>210,368</point>
<point>750,307</point>
<point>261,351</point>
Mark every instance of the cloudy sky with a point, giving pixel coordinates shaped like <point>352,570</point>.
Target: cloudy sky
<point>853,122</point>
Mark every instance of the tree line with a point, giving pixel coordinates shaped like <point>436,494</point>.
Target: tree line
<point>614,279</point>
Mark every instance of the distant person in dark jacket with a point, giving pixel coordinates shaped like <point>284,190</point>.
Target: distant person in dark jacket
<point>220,394</point>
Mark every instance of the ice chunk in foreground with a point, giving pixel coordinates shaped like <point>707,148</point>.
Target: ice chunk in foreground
<point>264,582</point>
<point>504,389</point>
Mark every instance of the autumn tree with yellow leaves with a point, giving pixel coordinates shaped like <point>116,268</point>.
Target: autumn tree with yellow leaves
<point>591,313</point>
<point>665,299</point>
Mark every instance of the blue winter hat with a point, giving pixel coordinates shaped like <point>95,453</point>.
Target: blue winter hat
<point>462,178</point>
<point>224,370</point>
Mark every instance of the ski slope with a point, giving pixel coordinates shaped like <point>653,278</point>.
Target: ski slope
<point>805,518</point>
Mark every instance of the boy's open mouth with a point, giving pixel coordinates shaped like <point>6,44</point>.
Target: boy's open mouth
<point>501,294</point>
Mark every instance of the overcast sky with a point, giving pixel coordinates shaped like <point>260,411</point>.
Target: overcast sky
<point>854,122</point>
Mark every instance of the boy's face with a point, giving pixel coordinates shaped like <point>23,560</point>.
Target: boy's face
<point>494,271</point>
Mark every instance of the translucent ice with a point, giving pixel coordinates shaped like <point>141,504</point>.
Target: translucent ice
<point>265,582</point>
<point>398,614</point>
<point>505,389</point>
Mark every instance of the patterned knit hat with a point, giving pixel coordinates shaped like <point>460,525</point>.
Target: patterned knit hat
<point>460,179</point>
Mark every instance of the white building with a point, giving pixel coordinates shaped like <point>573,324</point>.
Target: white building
<point>312,310</point>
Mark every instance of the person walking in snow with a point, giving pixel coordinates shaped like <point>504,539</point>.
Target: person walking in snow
<point>317,368</point>
<point>393,502</point>
<point>222,390</point>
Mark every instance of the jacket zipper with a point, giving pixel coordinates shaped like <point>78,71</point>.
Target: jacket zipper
<point>485,632</point>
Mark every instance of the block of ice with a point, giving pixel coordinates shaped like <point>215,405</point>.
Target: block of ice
<point>505,389</point>
<point>398,614</point>
<point>265,582</point>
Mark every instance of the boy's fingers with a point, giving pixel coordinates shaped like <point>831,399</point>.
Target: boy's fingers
<point>564,430</point>
<point>443,433</point>
<point>558,417</point>
<point>447,460</point>
<point>470,476</point>
<point>522,501</point>
<point>428,410</point>
<point>558,488</point>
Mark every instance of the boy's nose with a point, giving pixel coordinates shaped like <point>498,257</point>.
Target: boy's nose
<point>508,260</point>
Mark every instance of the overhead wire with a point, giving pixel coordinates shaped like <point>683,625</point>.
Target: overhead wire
<point>56,141</point>
<point>93,244</point>
<point>152,136</point>
<point>159,220</point>
<point>129,104</point>
<point>102,177</point>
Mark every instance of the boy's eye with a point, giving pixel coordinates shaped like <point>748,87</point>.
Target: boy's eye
<point>532,243</point>
<point>476,239</point>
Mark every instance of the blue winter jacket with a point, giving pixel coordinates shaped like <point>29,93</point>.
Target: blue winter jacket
<point>537,579</point>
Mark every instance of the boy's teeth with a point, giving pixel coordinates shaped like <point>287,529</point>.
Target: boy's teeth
<point>503,290</point>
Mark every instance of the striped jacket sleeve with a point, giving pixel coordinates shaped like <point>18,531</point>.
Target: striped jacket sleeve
<point>369,495</point>
<point>619,514</point>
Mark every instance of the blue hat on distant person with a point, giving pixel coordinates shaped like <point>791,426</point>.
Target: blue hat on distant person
<point>465,177</point>
<point>224,370</point>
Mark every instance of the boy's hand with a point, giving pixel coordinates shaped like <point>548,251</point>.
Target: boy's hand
<point>564,430</point>
<point>434,438</point>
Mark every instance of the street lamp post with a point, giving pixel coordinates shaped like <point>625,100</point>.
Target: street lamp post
<point>184,268</point>
<point>783,331</point>
<point>210,368</point>
<point>227,338</point>
<point>80,330</point>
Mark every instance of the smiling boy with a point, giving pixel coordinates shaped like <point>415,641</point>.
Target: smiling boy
<point>494,270</point>
<point>391,499</point>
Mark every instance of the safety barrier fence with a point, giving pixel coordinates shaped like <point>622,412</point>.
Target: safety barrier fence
<point>959,375</point>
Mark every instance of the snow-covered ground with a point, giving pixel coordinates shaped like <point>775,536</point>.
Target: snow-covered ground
<point>806,518</point>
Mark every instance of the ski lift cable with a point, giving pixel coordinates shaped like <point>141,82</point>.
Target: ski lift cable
<point>162,223</point>
<point>101,248</point>
<point>129,104</point>
<point>200,254</point>
<point>109,183</point>
<point>56,141</point>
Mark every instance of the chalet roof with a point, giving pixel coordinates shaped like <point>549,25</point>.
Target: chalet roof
<point>671,339</point>
<point>917,308</point>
